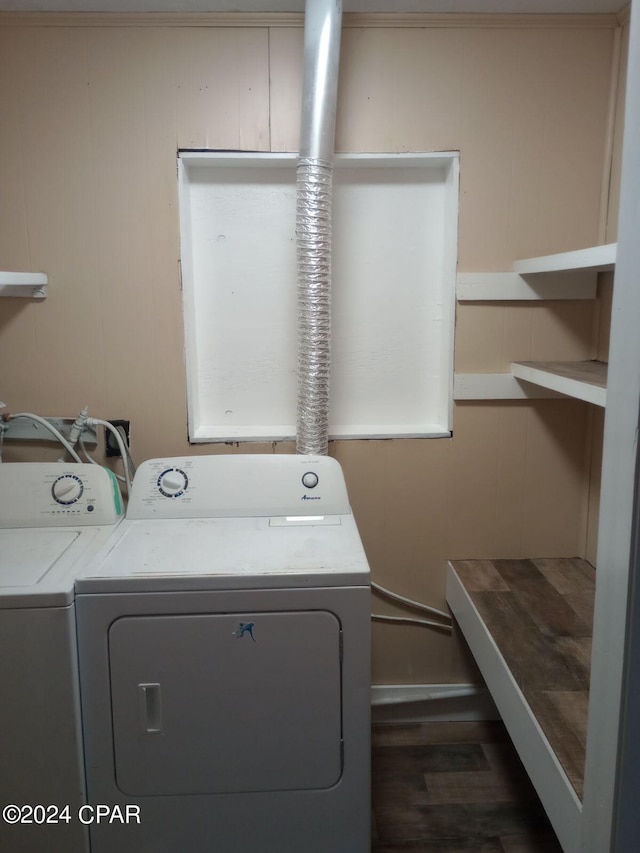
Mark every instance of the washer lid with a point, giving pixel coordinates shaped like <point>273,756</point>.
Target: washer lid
<point>38,565</point>
<point>27,558</point>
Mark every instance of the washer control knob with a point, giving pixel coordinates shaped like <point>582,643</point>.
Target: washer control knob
<point>172,482</point>
<point>310,480</point>
<point>67,489</point>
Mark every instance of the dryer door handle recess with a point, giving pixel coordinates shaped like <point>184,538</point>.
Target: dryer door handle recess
<point>150,708</point>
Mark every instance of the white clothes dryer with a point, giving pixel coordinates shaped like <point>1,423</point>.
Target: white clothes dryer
<point>53,518</point>
<point>224,641</point>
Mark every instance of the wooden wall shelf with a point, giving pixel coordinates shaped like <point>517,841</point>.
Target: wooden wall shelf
<point>597,258</point>
<point>529,624</point>
<point>584,380</point>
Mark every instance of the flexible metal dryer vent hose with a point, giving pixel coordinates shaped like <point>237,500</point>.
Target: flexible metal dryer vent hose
<point>323,20</point>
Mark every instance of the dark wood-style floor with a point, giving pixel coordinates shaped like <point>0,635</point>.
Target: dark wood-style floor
<point>453,788</point>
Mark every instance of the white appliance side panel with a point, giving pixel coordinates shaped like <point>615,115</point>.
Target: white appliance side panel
<point>40,735</point>
<point>226,703</point>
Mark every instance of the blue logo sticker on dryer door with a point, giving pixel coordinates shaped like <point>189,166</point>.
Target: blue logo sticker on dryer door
<point>244,628</point>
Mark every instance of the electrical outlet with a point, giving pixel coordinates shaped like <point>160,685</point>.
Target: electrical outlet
<point>111,445</point>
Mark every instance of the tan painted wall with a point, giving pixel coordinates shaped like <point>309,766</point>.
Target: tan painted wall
<point>91,117</point>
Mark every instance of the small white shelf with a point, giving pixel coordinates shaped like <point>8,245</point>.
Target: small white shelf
<point>26,284</point>
<point>511,286</point>
<point>496,386</point>
<point>584,380</point>
<point>568,275</point>
<point>596,258</point>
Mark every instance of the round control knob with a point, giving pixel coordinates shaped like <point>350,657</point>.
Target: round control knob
<point>310,480</point>
<point>172,483</point>
<point>67,489</point>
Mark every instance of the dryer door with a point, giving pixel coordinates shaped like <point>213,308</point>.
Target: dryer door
<point>222,703</point>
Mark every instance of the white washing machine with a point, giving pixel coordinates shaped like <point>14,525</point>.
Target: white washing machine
<point>53,518</point>
<point>225,662</point>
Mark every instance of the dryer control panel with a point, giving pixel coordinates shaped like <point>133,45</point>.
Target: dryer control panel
<point>52,494</point>
<point>229,486</point>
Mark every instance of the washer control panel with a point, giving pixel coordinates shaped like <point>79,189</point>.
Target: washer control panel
<point>67,489</point>
<point>173,482</point>
<point>234,485</point>
<point>52,494</point>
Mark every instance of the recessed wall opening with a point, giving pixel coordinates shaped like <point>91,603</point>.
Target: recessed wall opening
<point>393,292</point>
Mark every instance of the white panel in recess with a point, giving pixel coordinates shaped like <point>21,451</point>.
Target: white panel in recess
<point>29,284</point>
<point>238,268</point>
<point>495,386</point>
<point>486,286</point>
<point>394,255</point>
<point>593,258</point>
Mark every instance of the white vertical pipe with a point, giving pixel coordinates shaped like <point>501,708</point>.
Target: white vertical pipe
<point>323,20</point>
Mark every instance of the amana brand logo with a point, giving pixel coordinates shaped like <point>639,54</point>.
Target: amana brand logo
<point>244,628</point>
<point>310,498</point>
